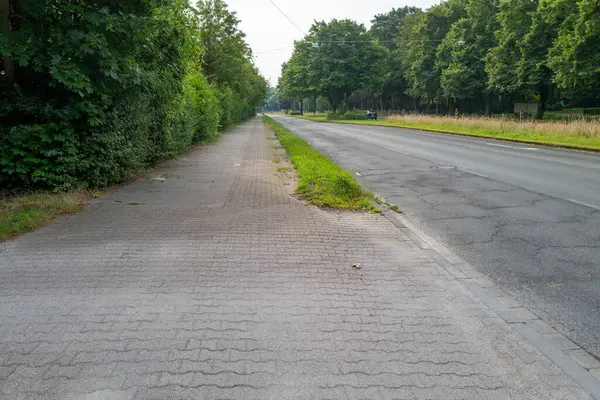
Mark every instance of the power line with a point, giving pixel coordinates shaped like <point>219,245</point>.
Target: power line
<point>273,50</point>
<point>353,41</point>
<point>380,41</point>
<point>288,18</point>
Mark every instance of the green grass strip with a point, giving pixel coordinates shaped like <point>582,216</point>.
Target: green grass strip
<point>321,181</point>
<point>550,139</point>
<point>20,214</point>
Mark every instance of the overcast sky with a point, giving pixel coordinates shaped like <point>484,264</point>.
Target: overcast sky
<point>267,29</point>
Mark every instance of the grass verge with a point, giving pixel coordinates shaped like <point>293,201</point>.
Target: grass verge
<point>574,134</point>
<point>320,180</point>
<point>20,214</point>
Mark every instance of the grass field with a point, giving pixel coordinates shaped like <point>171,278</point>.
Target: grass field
<point>24,213</point>
<point>575,133</point>
<point>321,181</point>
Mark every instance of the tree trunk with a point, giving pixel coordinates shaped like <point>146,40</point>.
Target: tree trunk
<point>488,103</point>
<point>333,103</point>
<point>314,102</point>
<point>7,63</point>
<point>302,107</point>
<point>544,90</point>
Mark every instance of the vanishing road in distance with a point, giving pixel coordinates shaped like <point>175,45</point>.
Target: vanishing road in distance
<point>526,216</point>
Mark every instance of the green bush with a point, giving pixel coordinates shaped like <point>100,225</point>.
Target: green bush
<point>591,111</point>
<point>233,109</point>
<point>205,107</point>
<point>334,116</point>
<point>348,116</point>
<point>555,107</point>
<point>102,91</point>
<point>355,115</point>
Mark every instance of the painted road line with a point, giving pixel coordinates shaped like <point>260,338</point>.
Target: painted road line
<point>512,147</point>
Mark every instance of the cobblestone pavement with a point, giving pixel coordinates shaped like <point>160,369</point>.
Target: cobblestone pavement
<point>209,281</point>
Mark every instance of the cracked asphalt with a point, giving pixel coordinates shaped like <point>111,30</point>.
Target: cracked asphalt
<point>527,217</point>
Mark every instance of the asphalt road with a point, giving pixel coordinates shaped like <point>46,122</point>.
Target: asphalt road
<point>528,217</point>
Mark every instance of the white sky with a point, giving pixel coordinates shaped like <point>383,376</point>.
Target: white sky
<point>267,29</point>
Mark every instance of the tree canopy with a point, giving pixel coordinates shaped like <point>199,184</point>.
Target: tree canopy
<point>480,56</point>
<point>93,91</point>
<point>334,60</point>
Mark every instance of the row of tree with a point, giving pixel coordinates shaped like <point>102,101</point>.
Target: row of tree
<point>93,91</point>
<point>478,55</point>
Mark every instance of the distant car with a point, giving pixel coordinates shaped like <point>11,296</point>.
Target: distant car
<point>372,115</point>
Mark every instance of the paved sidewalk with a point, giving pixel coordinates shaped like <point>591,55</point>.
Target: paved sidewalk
<point>212,282</point>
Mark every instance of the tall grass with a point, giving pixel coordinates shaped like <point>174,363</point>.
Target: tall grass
<point>574,133</point>
<point>24,213</point>
<point>576,127</point>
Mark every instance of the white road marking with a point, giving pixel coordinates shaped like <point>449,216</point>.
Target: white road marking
<point>476,173</point>
<point>357,174</point>
<point>581,203</point>
<point>512,147</point>
<point>236,165</point>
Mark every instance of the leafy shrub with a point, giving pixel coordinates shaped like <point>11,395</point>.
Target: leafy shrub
<point>102,91</point>
<point>334,116</point>
<point>205,107</point>
<point>591,111</point>
<point>555,107</point>
<point>355,115</point>
<point>348,116</point>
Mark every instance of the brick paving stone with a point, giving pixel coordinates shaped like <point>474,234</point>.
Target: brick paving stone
<point>220,284</point>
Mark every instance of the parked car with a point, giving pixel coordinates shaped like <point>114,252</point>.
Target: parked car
<point>372,115</point>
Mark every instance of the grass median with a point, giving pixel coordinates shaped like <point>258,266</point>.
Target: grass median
<point>320,180</point>
<point>577,134</point>
<point>24,213</point>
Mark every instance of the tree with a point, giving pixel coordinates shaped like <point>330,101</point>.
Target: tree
<point>472,53</point>
<point>344,58</point>
<point>93,91</point>
<point>6,11</point>
<point>385,27</point>
<point>272,99</point>
<point>225,48</point>
<point>514,18</point>
<point>533,68</point>
<point>297,77</point>
<point>419,38</point>
<point>574,56</point>
<point>461,55</point>
<point>227,61</point>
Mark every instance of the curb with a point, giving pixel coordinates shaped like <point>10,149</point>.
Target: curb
<point>580,365</point>
<point>529,142</point>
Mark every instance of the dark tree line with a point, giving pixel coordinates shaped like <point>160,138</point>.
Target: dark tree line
<point>93,91</point>
<point>476,55</point>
